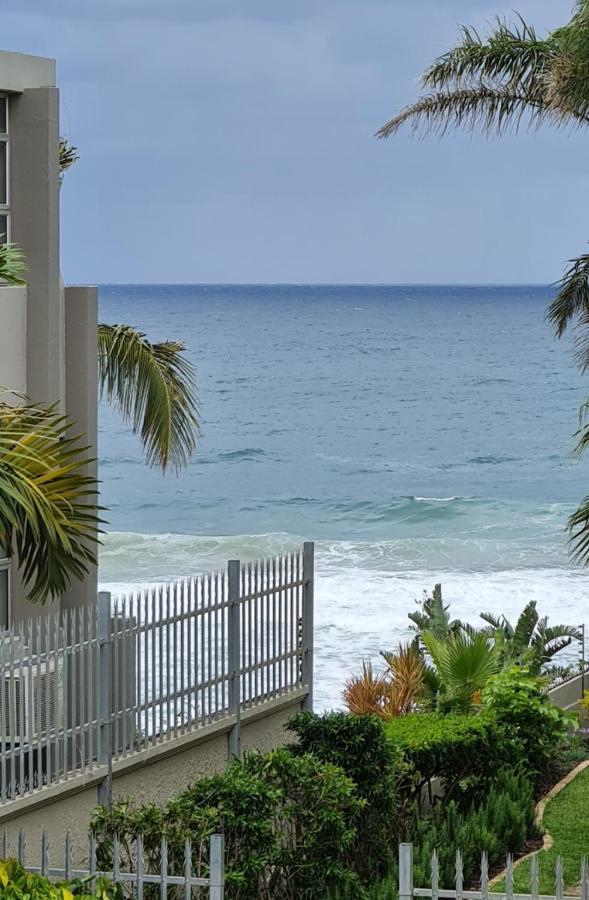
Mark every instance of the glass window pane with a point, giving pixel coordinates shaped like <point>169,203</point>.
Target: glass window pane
<point>3,115</point>
<point>3,229</point>
<point>3,172</point>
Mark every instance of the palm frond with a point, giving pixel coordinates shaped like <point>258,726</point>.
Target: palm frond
<point>483,107</point>
<point>68,155</point>
<point>512,56</point>
<point>406,670</point>
<point>12,264</point>
<point>153,386</point>
<point>525,626</point>
<point>573,294</point>
<point>48,513</point>
<point>578,527</point>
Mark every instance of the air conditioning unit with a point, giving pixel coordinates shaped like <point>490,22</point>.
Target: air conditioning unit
<point>32,699</point>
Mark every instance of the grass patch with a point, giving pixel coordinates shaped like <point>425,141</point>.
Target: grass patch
<point>566,818</point>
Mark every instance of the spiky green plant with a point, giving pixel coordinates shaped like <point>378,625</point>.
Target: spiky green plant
<point>463,664</point>
<point>492,84</point>
<point>531,642</point>
<point>48,510</point>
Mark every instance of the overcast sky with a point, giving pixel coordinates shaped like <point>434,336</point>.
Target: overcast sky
<point>232,140</point>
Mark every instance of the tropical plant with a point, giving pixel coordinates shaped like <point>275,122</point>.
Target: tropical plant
<point>47,507</point>
<point>433,616</point>
<point>495,83</point>
<point>68,155</point>
<point>531,641</point>
<point>388,694</point>
<point>463,663</point>
<point>12,264</point>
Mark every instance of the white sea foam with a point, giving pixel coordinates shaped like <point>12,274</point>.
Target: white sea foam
<point>365,589</point>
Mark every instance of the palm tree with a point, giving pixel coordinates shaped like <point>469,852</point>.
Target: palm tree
<point>531,641</point>
<point>47,511</point>
<point>463,664</point>
<point>47,508</point>
<point>493,84</point>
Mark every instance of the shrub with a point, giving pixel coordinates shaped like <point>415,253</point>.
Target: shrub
<point>288,820</point>
<point>18,884</point>
<point>500,824</point>
<point>452,747</point>
<point>535,729</point>
<point>360,746</point>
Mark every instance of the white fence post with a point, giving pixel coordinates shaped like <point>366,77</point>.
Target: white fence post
<point>217,867</point>
<point>104,695</point>
<point>234,654</point>
<point>405,871</point>
<point>308,615</point>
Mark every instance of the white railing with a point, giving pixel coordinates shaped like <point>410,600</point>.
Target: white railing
<point>93,685</point>
<point>134,877</point>
<point>487,889</point>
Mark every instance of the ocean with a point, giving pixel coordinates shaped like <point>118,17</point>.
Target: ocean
<point>417,434</point>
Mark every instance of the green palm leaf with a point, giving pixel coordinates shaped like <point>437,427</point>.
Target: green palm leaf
<point>12,264</point>
<point>464,663</point>
<point>48,512</point>
<point>153,387</point>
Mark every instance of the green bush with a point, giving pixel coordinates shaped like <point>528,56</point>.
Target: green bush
<point>500,824</point>
<point>360,746</point>
<point>18,884</point>
<point>452,747</point>
<point>532,727</point>
<point>288,820</point>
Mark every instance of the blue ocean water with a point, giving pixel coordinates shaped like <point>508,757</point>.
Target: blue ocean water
<point>418,434</point>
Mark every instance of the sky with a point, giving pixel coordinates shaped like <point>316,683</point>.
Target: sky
<point>233,141</point>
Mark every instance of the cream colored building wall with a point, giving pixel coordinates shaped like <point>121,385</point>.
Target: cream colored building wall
<point>13,339</point>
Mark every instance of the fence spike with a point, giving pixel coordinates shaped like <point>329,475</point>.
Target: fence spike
<point>164,869</point>
<point>534,874</point>
<point>435,875</point>
<point>584,880</point>
<point>139,866</point>
<point>187,869</point>
<point>484,875</point>
<point>459,875</point>
<point>559,878</point>
<point>509,877</point>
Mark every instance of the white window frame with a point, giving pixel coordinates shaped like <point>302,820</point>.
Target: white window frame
<point>5,139</point>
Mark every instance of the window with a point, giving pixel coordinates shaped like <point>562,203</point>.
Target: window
<point>4,170</point>
<point>4,592</point>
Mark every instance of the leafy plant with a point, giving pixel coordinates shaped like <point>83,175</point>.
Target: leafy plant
<point>18,884</point>
<point>463,663</point>
<point>362,749</point>
<point>433,616</point>
<point>12,263</point>
<point>535,727</point>
<point>47,506</point>
<point>394,692</point>
<point>531,641</point>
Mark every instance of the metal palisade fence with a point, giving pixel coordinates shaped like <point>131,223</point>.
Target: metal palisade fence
<point>95,684</point>
<point>486,887</point>
<point>167,882</point>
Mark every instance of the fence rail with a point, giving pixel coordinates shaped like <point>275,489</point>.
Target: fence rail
<point>407,889</point>
<point>116,873</point>
<point>93,685</point>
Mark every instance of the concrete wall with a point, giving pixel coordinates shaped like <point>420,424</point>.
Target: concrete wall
<point>19,71</point>
<point>13,339</point>
<point>81,399</point>
<point>153,775</point>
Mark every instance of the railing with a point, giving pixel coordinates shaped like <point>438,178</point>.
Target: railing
<point>93,685</point>
<point>487,889</point>
<point>186,883</point>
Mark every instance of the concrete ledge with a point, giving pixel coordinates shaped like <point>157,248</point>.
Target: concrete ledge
<point>292,698</point>
<point>53,792</point>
